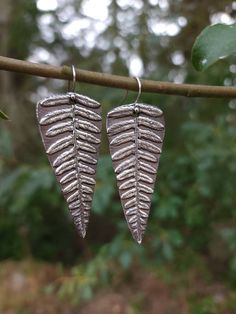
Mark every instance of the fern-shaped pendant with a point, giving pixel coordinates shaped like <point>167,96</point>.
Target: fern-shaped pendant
<point>135,134</point>
<point>70,127</point>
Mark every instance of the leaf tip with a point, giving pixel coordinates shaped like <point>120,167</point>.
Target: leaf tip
<point>83,233</point>
<point>139,239</point>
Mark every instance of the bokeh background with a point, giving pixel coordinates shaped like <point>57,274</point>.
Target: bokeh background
<point>187,262</point>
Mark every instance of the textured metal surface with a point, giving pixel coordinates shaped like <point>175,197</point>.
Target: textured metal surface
<point>135,134</point>
<point>70,127</point>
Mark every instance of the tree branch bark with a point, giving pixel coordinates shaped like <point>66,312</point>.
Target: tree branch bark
<point>109,80</point>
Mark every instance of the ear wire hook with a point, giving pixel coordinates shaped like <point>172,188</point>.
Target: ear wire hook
<point>72,89</point>
<point>136,108</point>
<point>139,89</point>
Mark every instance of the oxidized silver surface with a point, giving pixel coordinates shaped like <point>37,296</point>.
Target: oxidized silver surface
<point>70,127</point>
<point>135,134</point>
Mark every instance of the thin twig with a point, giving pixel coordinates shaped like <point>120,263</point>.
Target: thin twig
<point>116,81</point>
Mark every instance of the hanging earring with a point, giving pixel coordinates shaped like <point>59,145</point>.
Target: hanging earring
<point>135,134</point>
<point>70,127</point>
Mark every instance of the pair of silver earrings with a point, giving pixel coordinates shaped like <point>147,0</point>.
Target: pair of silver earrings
<point>70,127</point>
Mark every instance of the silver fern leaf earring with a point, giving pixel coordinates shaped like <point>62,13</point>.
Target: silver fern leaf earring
<point>70,127</point>
<point>135,134</point>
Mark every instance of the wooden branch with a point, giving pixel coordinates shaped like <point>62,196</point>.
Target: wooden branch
<point>116,81</point>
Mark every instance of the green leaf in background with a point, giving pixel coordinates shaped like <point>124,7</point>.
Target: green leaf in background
<point>214,43</point>
<point>3,116</point>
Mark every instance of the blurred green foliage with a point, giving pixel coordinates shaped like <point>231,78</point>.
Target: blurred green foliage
<point>187,212</point>
<point>3,116</point>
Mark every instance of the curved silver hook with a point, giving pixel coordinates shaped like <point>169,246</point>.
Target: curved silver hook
<point>139,89</point>
<point>72,89</point>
